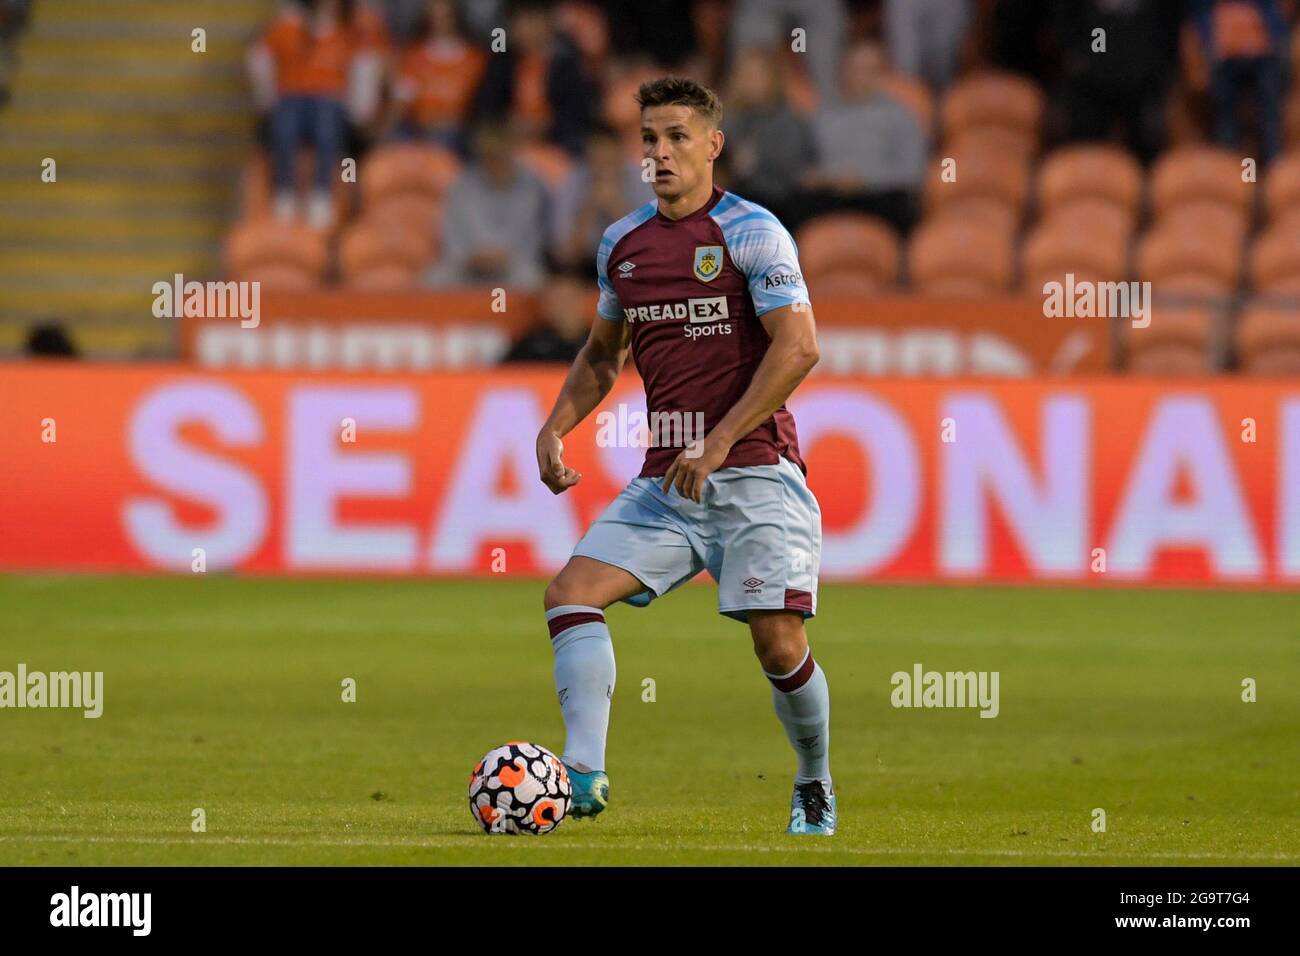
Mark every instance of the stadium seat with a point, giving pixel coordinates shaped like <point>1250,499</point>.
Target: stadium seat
<point>992,99</point>
<point>951,257</point>
<point>1199,173</point>
<point>1005,140</point>
<point>1229,223</point>
<point>991,213</point>
<point>370,251</point>
<point>411,213</point>
<point>1267,340</point>
<point>1180,262</point>
<point>1179,341</point>
<point>1054,249</point>
<point>275,253</point>
<point>1104,220</point>
<point>1282,187</point>
<point>1275,260</point>
<point>1090,172</point>
<point>405,169</point>
<point>840,243</point>
<point>992,175</point>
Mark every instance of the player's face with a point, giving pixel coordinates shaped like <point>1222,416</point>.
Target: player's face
<point>683,148</point>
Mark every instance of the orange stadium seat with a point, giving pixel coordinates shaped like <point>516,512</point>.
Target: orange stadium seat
<point>1051,250</point>
<point>373,248</point>
<point>852,243</point>
<point>1267,340</point>
<point>405,169</point>
<point>992,175</point>
<point>1199,173</point>
<point>1179,341</point>
<point>1102,219</point>
<point>982,210</point>
<point>1181,262</point>
<point>992,98</point>
<point>915,95</point>
<point>951,257</point>
<point>1282,187</point>
<point>1275,260</point>
<point>1209,217</point>
<point>412,213</point>
<point>282,255</point>
<point>1090,172</point>
<point>1009,140</point>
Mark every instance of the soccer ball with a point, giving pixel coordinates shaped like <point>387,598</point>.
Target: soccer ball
<point>519,788</point>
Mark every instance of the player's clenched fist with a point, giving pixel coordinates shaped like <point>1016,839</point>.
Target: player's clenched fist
<point>689,469</point>
<point>554,473</point>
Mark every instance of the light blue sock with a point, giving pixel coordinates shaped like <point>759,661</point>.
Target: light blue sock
<point>584,680</point>
<point>802,701</point>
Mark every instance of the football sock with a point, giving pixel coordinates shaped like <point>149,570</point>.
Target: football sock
<point>584,680</point>
<point>803,704</point>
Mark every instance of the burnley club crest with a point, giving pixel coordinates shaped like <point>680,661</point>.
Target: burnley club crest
<point>708,262</point>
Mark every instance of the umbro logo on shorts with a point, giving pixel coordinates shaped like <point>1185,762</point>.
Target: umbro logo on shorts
<point>752,585</point>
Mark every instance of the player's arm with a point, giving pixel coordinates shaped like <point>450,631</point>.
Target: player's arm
<point>592,375</point>
<point>787,362</point>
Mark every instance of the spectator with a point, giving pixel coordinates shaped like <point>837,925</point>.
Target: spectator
<point>769,146</point>
<point>13,18</point>
<point>871,151</point>
<point>565,320</point>
<point>302,71</point>
<point>1127,86</point>
<point>768,23</point>
<point>494,223</point>
<point>602,189</point>
<point>537,83</point>
<point>436,79</point>
<point>49,340</point>
<point>925,37</point>
<point>1244,43</point>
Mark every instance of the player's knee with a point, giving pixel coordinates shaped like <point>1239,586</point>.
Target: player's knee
<point>566,588</point>
<point>779,641</point>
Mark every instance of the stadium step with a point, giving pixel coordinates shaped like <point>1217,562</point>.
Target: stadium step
<point>149,138</point>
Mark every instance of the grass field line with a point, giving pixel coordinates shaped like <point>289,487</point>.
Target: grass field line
<point>470,840</point>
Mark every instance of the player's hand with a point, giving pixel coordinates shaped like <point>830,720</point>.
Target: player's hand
<point>692,466</point>
<point>554,473</point>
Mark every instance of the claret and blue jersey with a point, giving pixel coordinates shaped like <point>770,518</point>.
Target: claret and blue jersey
<point>692,291</point>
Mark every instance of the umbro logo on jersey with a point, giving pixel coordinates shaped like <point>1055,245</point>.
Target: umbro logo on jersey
<point>626,268</point>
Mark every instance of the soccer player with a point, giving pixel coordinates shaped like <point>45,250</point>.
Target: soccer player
<point>705,289</point>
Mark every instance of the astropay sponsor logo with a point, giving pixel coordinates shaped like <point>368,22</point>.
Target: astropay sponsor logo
<point>208,300</point>
<point>922,688</point>
<point>74,908</point>
<point>78,690</point>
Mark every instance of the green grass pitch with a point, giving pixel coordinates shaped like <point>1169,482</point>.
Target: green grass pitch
<point>224,694</point>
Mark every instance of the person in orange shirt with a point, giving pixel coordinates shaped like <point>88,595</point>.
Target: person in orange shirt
<point>538,83</point>
<point>300,72</point>
<point>435,80</point>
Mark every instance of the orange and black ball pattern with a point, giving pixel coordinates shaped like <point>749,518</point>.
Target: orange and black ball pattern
<point>519,788</point>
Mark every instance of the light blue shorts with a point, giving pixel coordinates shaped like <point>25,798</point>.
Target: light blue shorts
<point>757,531</point>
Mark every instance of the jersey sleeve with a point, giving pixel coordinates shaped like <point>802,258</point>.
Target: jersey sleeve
<point>607,305</point>
<point>765,254</point>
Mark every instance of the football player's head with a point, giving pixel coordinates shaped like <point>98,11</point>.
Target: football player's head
<point>679,133</point>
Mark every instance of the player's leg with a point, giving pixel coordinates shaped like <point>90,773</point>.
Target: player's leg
<point>584,654</point>
<point>802,701</point>
<point>635,550</point>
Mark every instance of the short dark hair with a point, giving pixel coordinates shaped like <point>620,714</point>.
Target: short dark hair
<point>680,91</point>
